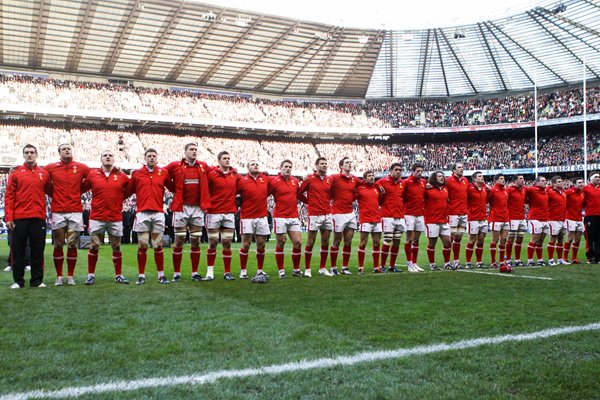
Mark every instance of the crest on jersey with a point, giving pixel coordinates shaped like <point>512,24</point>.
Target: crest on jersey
<point>114,177</point>
<point>293,183</point>
<point>40,174</point>
<point>74,169</point>
<point>261,179</point>
<point>159,172</point>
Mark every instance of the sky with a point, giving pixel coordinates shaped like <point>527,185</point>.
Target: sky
<point>387,14</point>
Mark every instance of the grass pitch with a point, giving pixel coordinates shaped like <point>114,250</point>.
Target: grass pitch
<point>79,336</point>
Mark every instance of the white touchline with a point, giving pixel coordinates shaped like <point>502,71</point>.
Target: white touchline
<point>544,278</point>
<point>209,377</point>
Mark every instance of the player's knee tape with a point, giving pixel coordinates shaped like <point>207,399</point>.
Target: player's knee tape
<point>227,235</point>
<point>182,234</point>
<point>158,241</point>
<point>387,238</point>
<point>213,235</point>
<point>196,234</point>
<point>460,230</point>
<point>72,237</point>
<point>397,235</point>
<point>520,235</point>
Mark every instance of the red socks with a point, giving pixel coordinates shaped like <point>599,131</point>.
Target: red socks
<point>260,259</point>
<point>117,257</point>
<point>279,254</point>
<point>58,256</point>
<point>195,259</point>
<point>323,261</point>
<point>71,261</point>
<point>141,259</point>
<point>243,258</point>
<point>92,260</point>
<point>361,257</point>
<point>177,254</point>
<point>159,259</point>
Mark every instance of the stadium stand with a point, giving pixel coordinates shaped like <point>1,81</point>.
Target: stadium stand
<point>111,98</point>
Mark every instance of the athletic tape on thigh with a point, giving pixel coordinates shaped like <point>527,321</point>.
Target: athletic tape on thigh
<point>227,235</point>
<point>181,233</point>
<point>72,236</point>
<point>213,235</point>
<point>388,237</point>
<point>196,234</point>
<point>158,241</point>
<point>397,235</point>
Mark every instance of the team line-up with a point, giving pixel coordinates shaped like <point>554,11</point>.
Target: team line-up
<point>208,197</point>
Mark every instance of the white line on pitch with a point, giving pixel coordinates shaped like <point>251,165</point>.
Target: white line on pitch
<point>210,377</point>
<point>510,275</point>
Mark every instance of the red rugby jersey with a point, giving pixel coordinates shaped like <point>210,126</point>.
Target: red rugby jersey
<point>457,195</point>
<point>414,192</point>
<point>343,193</point>
<point>557,205</point>
<point>477,203</point>
<point>392,202</point>
<point>574,204</point>
<point>516,202</point>
<point>254,193</point>
<point>149,188</point>
<point>591,199</point>
<point>26,191</point>
<point>368,195</point>
<point>285,194</point>
<point>537,198</point>
<point>190,183</point>
<point>436,205</point>
<point>498,199</point>
<point>315,192</point>
<point>108,193</point>
<point>223,188</point>
<point>66,181</point>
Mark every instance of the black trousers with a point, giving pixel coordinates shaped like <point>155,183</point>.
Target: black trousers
<point>33,229</point>
<point>592,226</point>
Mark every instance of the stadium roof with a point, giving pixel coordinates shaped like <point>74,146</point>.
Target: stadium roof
<point>182,42</point>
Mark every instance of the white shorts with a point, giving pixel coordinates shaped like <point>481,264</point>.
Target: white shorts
<point>574,226</point>
<point>536,226</point>
<point>415,223</point>
<point>518,225</point>
<point>476,227</point>
<point>391,225</point>
<point>191,215</point>
<point>319,222</point>
<point>282,226</point>
<point>373,227</point>
<point>73,221</point>
<point>149,221</point>
<point>114,228</point>
<point>556,227</point>
<point>499,226</point>
<point>216,221</point>
<point>341,222</point>
<point>257,226</point>
<point>457,221</point>
<point>437,230</point>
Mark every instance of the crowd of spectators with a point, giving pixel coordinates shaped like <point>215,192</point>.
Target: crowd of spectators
<point>129,148</point>
<point>114,98</point>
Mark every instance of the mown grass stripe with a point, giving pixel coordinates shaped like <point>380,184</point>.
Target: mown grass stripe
<point>544,278</point>
<point>210,377</point>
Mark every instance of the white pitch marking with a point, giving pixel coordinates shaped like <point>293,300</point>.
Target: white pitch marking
<point>210,377</point>
<point>510,275</point>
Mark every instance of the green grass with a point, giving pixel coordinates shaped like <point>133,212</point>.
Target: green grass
<point>77,336</point>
